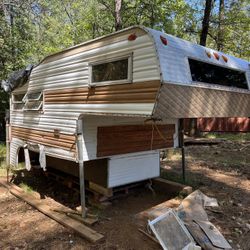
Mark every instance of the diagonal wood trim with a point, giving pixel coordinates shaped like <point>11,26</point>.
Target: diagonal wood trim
<point>179,101</point>
<point>122,93</point>
<point>46,138</point>
<point>113,140</point>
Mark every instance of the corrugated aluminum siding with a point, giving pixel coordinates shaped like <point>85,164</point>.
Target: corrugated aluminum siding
<point>14,149</point>
<point>16,144</point>
<point>73,71</point>
<point>174,58</point>
<point>130,168</point>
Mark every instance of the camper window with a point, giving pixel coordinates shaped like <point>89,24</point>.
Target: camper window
<point>213,74</point>
<point>112,71</point>
<point>33,101</point>
<point>17,101</point>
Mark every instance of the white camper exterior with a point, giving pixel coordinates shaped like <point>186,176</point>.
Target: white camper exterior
<point>126,119</point>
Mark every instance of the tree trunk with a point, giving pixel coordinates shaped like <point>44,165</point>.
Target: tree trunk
<point>118,19</point>
<point>205,22</point>
<point>193,131</point>
<point>220,37</point>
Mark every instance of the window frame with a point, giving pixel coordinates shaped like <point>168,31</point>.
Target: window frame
<point>214,84</point>
<point>111,59</point>
<point>36,109</point>
<point>25,98</point>
<point>13,102</point>
<point>25,101</point>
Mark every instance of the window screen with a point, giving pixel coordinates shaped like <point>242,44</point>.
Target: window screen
<point>110,71</point>
<point>33,101</point>
<point>33,96</point>
<point>29,101</point>
<point>17,101</point>
<point>209,73</point>
<point>33,105</point>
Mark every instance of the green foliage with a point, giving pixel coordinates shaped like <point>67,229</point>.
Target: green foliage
<point>236,28</point>
<point>237,137</point>
<point>26,188</point>
<point>2,156</point>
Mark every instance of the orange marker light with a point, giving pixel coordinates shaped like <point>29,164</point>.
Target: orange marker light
<point>208,54</point>
<point>132,37</point>
<point>216,55</point>
<point>224,58</point>
<point>164,40</point>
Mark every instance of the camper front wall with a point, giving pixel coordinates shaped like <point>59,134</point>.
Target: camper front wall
<point>64,81</point>
<point>181,97</point>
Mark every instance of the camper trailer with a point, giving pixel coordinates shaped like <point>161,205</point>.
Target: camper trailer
<point>112,103</point>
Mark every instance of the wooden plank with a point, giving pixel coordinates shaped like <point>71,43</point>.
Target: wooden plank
<point>171,186</point>
<point>112,140</point>
<point>96,91</point>
<point>63,219</point>
<point>143,92</point>
<point>44,139</point>
<point>101,190</point>
<point>46,143</point>
<point>50,139</point>
<point>108,88</point>
<point>122,128</point>
<point>150,236</point>
<point>42,132</point>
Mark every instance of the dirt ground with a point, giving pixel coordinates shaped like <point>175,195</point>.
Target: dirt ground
<point>22,227</point>
<point>221,171</point>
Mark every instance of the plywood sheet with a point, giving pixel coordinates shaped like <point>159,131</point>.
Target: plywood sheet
<point>113,140</point>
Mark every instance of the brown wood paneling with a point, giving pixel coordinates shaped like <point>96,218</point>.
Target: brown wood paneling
<point>113,140</point>
<point>122,93</point>
<point>233,124</point>
<point>102,41</point>
<point>226,124</point>
<point>50,139</point>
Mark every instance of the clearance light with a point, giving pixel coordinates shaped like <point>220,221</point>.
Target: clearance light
<point>224,58</point>
<point>216,55</point>
<point>164,40</point>
<point>208,54</point>
<point>132,37</point>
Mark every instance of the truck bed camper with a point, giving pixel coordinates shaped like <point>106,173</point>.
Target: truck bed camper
<point>112,103</point>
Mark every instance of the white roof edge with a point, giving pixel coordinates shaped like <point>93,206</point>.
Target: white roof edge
<point>244,63</point>
<point>151,32</point>
<point>96,39</point>
<point>210,86</point>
